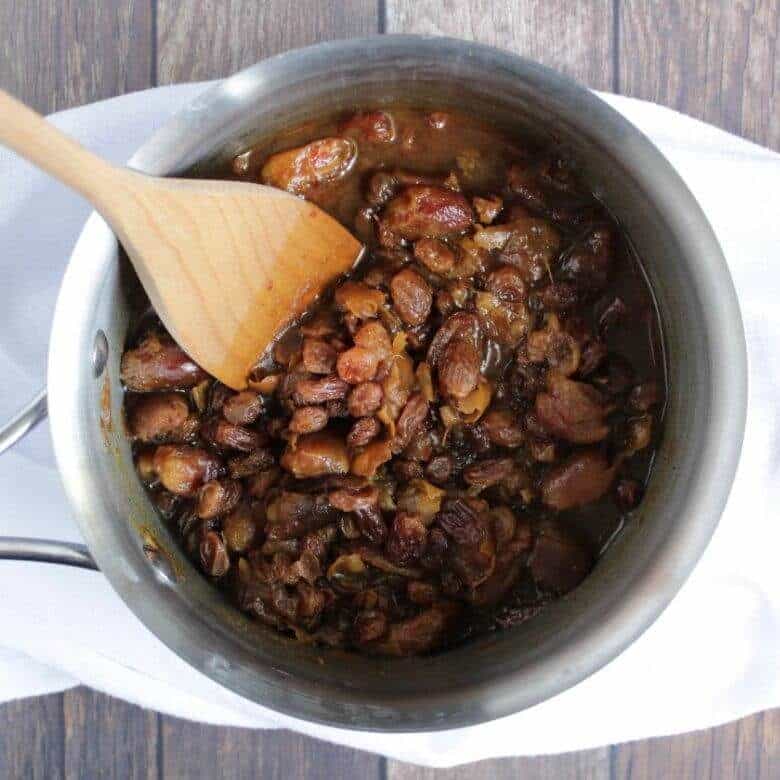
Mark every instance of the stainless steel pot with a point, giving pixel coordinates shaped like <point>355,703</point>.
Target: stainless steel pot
<point>641,571</point>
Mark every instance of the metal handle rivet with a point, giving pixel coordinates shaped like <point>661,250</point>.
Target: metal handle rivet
<point>99,353</point>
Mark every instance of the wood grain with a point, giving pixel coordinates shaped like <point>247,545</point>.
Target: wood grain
<point>193,749</point>
<point>713,59</point>
<point>575,38</point>
<point>687,755</point>
<point>205,40</point>
<point>768,747</point>
<point>748,749</point>
<point>584,765</point>
<point>55,54</point>
<point>224,313</point>
<point>108,738</point>
<point>32,739</point>
<point>222,299</point>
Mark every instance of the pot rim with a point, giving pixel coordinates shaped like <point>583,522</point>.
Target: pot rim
<point>635,608</point>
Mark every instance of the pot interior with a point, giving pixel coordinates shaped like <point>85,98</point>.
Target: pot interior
<point>500,673</point>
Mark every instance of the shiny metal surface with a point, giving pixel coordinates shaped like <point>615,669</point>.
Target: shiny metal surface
<point>40,550</point>
<point>642,570</point>
<point>45,551</point>
<point>23,422</point>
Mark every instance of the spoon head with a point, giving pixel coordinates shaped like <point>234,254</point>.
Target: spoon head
<point>227,265</point>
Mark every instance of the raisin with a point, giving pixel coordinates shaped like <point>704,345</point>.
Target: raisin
<point>372,526</point>
<point>409,422</point>
<point>460,521</point>
<point>363,431</point>
<point>407,539</point>
<point>440,468</point>
<point>485,473</point>
<point>308,419</point>
<point>364,399</point>
<point>227,436</point>
<point>357,365</point>
<point>161,417</point>
<point>158,363</point>
<point>459,369</point>
<point>315,455</point>
<point>318,356</point>
<point>412,296</point>
<point>318,391</point>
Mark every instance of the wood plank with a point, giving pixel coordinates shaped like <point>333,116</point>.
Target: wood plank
<point>727,748</point>
<point>55,54</point>
<point>194,749</point>
<point>107,737</point>
<point>205,41</point>
<point>32,738</point>
<point>714,59</point>
<point>748,748</point>
<point>583,765</point>
<point>769,747</point>
<point>575,38</point>
<point>687,755</point>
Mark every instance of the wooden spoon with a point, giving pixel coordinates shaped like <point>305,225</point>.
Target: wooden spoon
<point>225,264</point>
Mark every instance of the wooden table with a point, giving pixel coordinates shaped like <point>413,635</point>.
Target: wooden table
<point>717,60</point>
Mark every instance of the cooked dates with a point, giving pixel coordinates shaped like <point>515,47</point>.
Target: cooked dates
<point>441,445</point>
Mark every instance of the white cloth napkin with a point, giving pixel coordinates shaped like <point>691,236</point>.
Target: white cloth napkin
<point>710,658</point>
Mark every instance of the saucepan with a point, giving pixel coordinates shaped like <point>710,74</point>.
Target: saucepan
<point>498,674</point>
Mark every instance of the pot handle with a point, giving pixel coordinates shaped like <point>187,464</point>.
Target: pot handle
<point>42,550</point>
<point>23,422</point>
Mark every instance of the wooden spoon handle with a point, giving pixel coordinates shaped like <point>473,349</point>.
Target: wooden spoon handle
<point>38,141</point>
